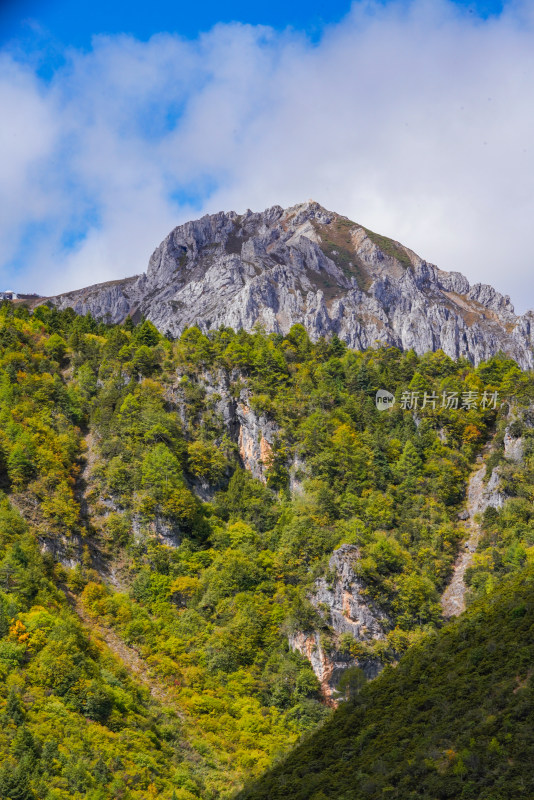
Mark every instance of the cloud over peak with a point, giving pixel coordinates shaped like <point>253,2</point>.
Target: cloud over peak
<point>413,118</point>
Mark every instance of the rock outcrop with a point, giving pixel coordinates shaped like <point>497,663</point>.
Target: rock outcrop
<point>481,495</point>
<point>513,445</point>
<point>252,432</point>
<point>310,266</point>
<point>345,610</point>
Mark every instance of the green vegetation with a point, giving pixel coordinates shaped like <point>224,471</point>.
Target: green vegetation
<point>109,436</point>
<point>337,244</point>
<point>507,543</point>
<point>390,247</point>
<point>452,720</point>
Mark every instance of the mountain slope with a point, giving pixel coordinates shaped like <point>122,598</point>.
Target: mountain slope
<point>310,266</point>
<point>452,720</point>
<point>208,507</point>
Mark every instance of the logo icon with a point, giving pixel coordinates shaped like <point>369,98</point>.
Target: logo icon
<point>384,400</point>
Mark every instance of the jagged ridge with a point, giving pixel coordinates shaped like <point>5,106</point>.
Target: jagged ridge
<point>310,266</point>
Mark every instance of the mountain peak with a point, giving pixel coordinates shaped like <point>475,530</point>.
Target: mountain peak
<point>308,265</point>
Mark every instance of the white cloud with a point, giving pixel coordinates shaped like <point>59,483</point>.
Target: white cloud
<point>415,119</point>
<point>27,135</point>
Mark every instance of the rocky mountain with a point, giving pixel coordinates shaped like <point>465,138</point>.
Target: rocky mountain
<point>310,266</point>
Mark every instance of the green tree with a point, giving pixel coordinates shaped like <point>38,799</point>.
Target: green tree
<point>147,334</point>
<point>15,782</point>
<point>14,709</point>
<point>144,361</point>
<point>409,465</point>
<point>351,683</point>
<point>160,472</point>
<point>56,347</point>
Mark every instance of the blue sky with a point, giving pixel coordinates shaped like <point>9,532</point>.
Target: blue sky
<point>121,120</point>
<point>74,23</point>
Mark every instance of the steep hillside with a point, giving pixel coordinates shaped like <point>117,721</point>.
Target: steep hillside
<point>75,721</point>
<point>310,266</point>
<point>199,539</point>
<point>452,720</point>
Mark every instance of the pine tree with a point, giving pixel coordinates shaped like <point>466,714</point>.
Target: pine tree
<point>15,783</point>
<point>363,379</point>
<point>4,619</point>
<point>337,347</point>
<point>14,709</point>
<point>409,464</point>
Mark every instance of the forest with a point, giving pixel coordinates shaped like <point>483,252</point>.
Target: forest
<point>459,711</point>
<point>133,533</point>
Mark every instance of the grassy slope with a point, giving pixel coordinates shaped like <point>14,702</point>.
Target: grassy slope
<point>453,720</point>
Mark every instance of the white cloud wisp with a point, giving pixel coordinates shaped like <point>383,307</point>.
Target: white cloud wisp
<point>413,118</point>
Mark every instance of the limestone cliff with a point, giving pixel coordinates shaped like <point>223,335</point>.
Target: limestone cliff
<point>310,266</point>
<point>253,433</point>
<point>339,599</point>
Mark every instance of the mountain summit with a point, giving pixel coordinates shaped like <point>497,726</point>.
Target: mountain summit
<point>311,266</point>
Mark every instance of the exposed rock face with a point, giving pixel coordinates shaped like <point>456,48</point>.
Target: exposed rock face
<point>310,266</point>
<point>338,598</point>
<point>492,497</point>
<point>513,446</point>
<point>348,612</point>
<point>255,440</point>
<point>161,529</point>
<point>253,433</point>
<point>68,552</point>
<point>480,496</point>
